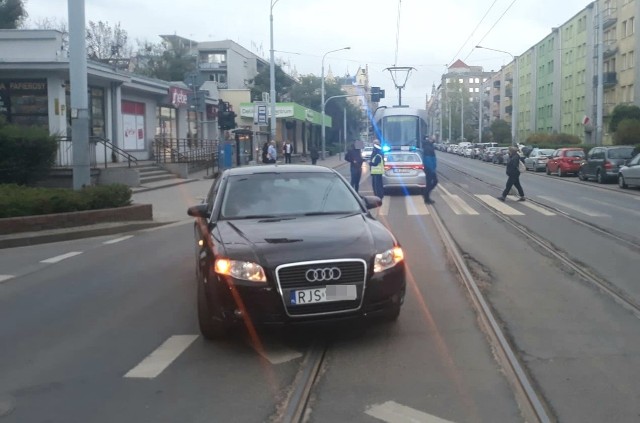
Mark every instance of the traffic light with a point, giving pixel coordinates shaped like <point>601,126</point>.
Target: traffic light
<point>376,94</point>
<point>226,116</point>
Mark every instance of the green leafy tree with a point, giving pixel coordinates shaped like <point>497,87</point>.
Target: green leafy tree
<point>261,83</point>
<point>12,14</point>
<point>501,131</point>
<point>628,132</point>
<point>622,112</point>
<point>163,61</point>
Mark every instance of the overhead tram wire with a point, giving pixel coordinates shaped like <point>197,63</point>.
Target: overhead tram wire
<point>474,31</point>
<point>491,29</point>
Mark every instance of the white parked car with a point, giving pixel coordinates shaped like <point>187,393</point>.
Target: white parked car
<point>630,173</point>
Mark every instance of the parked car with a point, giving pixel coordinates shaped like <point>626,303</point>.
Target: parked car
<point>537,159</point>
<point>488,154</point>
<point>292,256</point>
<point>630,173</point>
<point>501,156</point>
<point>603,163</point>
<point>403,170</point>
<point>366,153</point>
<point>565,161</point>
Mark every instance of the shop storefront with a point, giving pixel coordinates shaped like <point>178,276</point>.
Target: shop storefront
<point>25,102</point>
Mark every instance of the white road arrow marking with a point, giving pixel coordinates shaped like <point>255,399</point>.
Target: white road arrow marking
<point>392,412</point>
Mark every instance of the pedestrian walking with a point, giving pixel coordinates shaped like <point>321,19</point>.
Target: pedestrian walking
<point>376,166</point>
<point>313,154</point>
<point>265,152</point>
<point>513,172</point>
<point>287,149</point>
<point>354,157</point>
<point>272,153</point>
<point>429,162</point>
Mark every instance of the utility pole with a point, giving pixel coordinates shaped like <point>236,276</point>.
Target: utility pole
<point>79,94</point>
<point>461,114</point>
<point>480,111</point>
<point>600,74</point>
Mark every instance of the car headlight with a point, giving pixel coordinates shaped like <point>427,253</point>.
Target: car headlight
<point>387,259</point>
<point>244,270</point>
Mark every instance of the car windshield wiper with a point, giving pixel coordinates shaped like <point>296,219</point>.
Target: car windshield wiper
<point>324,213</point>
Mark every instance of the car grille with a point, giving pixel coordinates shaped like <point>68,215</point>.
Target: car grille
<point>289,277</point>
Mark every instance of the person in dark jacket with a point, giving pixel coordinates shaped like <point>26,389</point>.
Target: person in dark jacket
<point>429,162</point>
<point>354,157</point>
<point>513,172</point>
<point>313,154</point>
<point>265,152</point>
<point>376,166</point>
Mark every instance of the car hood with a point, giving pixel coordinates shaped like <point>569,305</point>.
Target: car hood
<point>274,242</point>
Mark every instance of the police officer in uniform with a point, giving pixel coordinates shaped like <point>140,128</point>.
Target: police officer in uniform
<point>376,165</point>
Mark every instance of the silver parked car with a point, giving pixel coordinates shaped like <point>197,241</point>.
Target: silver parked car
<point>538,158</point>
<point>630,174</point>
<point>403,170</point>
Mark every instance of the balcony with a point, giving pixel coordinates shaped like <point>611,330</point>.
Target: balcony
<point>209,66</point>
<point>609,79</point>
<point>610,49</point>
<point>609,17</point>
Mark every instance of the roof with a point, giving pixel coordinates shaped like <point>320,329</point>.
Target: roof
<point>458,64</point>
<point>276,168</point>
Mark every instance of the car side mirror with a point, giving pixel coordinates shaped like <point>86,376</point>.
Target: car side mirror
<point>201,210</point>
<point>372,202</point>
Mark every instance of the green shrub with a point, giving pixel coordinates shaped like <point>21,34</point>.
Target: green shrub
<point>26,154</point>
<point>542,138</point>
<point>16,200</point>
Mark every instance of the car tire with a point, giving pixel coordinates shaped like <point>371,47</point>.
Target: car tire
<point>581,175</point>
<point>548,171</point>
<point>560,172</point>
<point>599,178</point>
<point>210,328</point>
<point>621,182</point>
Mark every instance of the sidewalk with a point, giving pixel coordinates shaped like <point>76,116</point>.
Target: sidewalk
<point>169,200</point>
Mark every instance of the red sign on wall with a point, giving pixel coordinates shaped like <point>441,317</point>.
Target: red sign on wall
<point>178,96</point>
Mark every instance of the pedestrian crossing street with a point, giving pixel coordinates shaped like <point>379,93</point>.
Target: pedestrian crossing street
<point>446,202</point>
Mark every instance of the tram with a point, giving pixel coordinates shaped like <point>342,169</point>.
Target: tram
<point>400,127</point>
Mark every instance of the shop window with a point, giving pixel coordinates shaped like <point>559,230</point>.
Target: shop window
<point>133,125</point>
<point>25,102</point>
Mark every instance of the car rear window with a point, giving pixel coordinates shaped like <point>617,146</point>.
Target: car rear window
<point>403,158</point>
<point>575,153</point>
<point>621,153</point>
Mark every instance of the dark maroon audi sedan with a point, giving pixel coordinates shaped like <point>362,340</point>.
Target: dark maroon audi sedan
<point>292,244</point>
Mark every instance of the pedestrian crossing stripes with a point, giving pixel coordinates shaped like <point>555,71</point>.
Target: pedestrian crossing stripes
<point>493,202</point>
<point>415,206</point>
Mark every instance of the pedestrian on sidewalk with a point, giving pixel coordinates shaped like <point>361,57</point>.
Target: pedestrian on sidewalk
<point>265,152</point>
<point>287,149</point>
<point>376,166</point>
<point>272,153</point>
<point>513,172</point>
<point>354,157</point>
<point>429,162</point>
<point>313,154</point>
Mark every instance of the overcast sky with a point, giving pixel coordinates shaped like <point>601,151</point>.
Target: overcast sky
<point>431,34</point>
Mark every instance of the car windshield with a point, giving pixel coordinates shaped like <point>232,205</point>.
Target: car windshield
<point>621,153</point>
<point>546,152</point>
<point>263,195</point>
<point>575,153</point>
<point>403,158</point>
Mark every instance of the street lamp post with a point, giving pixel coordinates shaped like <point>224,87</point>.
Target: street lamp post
<point>513,92</point>
<point>272,76</point>
<point>322,97</point>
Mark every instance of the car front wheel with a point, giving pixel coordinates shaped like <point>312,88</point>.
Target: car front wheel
<point>211,327</point>
<point>599,177</point>
<point>621,182</point>
<point>560,172</point>
<point>581,175</point>
<point>548,171</point>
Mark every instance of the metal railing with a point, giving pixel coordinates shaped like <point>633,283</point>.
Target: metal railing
<point>64,157</point>
<point>185,150</point>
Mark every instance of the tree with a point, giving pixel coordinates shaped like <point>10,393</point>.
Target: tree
<point>261,83</point>
<point>501,130</point>
<point>622,112</point>
<point>627,133</point>
<point>55,24</point>
<point>107,44</point>
<point>12,14</point>
<point>162,61</point>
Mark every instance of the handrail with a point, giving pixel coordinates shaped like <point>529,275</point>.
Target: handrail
<point>114,148</point>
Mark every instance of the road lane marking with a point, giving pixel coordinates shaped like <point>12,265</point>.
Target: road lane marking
<point>457,204</point>
<point>464,206</point>
<point>624,209</point>
<point>61,257</point>
<point>415,206</point>
<point>538,208</point>
<point>383,210</point>
<point>392,412</point>
<point>114,241</point>
<point>440,187</point>
<point>6,277</point>
<point>499,205</point>
<point>156,362</point>
<point>572,207</point>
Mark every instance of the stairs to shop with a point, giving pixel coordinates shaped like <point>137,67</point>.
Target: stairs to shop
<point>154,173</point>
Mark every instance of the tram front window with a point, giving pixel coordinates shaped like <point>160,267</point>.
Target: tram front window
<point>400,131</point>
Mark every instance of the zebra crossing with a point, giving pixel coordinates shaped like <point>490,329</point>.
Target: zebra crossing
<point>447,202</point>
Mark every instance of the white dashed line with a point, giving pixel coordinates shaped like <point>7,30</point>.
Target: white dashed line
<point>6,277</point>
<point>115,241</point>
<point>162,357</point>
<point>62,257</point>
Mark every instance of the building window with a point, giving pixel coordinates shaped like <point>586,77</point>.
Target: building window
<point>25,102</point>
<point>219,58</point>
<point>167,122</point>
<point>630,59</point>
<point>133,125</point>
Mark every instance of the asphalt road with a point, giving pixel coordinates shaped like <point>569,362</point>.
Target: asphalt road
<point>104,329</point>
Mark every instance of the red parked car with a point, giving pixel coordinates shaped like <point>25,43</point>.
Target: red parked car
<point>564,161</point>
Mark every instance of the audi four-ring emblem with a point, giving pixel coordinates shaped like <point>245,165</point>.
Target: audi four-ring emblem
<point>323,274</point>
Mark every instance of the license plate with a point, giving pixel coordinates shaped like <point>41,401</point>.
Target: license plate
<point>401,170</point>
<point>323,294</point>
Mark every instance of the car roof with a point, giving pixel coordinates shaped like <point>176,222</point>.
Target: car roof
<point>276,168</point>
